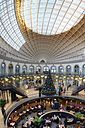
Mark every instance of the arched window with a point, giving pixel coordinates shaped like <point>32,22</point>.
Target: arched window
<point>68,70</point>
<point>45,68</point>
<point>60,69</point>
<point>42,61</point>
<point>53,69</point>
<point>10,69</point>
<point>3,68</point>
<point>83,70</point>
<point>24,69</point>
<point>76,70</point>
<point>38,69</point>
<point>17,69</point>
<point>31,69</point>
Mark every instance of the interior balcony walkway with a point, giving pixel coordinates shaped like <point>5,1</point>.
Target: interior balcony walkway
<point>35,93</point>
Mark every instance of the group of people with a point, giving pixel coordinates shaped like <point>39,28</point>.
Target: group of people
<point>48,122</point>
<point>60,89</point>
<point>55,104</point>
<point>54,121</point>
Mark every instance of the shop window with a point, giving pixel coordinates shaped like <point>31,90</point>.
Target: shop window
<point>31,69</point>
<point>83,70</point>
<point>3,68</point>
<point>76,70</point>
<point>10,69</point>
<point>53,69</point>
<point>45,68</point>
<point>68,70</point>
<point>24,69</point>
<point>60,69</point>
<point>17,69</point>
<point>38,69</point>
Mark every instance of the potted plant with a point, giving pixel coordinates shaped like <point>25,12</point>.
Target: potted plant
<point>79,116</point>
<point>2,104</point>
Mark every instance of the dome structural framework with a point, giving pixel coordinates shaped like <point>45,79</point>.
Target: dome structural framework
<point>33,46</point>
<point>51,17</point>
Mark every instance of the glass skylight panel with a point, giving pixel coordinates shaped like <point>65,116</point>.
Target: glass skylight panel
<point>41,15</point>
<point>42,9</point>
<point>48,10</point>
<point>1,30</point>
<point>10,26</point>
<point>50,5</point>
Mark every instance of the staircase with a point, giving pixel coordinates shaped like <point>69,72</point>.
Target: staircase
<point>13,89</point>
<point>78,89</point>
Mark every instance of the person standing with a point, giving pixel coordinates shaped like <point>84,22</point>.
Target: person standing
<point>65,122</point>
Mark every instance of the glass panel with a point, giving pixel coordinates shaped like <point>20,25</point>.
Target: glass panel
<point>17,69</point>
<point>83,70</point>
<point>31,69</point>
<point>9,23</point>
<point>60,70</point>
<point>24,69</point>
<point>76,70</point>
<point>53,69</point>
<point>46,68</point>
<point>68,70</point>
<point>3,69</point>
<point>10,69</point>
<point>47,14</point>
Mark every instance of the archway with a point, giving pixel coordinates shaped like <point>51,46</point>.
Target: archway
<point>10,69</point>
<point>83,70</point>
<point>17,69</point>
<point>38,69</point>
<point>68,70</point>
<point>60,70</point>
<point>76,73</point>
<point>45,68</point>
<point>3,68</point>
<point>31,69</point>
<point>76,70</point>
<point>53,69</point>
<point>24,69</point>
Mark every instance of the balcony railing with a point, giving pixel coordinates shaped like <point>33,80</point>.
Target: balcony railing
<point>42,73</point>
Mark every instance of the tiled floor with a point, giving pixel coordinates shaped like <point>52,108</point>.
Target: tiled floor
<point>34,93</point>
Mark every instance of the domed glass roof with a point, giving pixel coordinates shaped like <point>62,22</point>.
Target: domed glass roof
<point>49,17</point>
<point>25,25</point>
<point>9,29</point>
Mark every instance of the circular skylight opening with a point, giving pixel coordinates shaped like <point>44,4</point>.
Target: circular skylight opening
<point>50,17</point>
